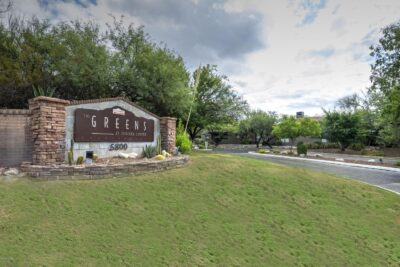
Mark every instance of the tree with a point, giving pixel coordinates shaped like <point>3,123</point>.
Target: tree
<point>343,127</point>
<point>385,78</point>
<point>152,76</point>
<point>81,62</point>
<point>292,128</point>
<point>215,103</point>
<point>259,124</point>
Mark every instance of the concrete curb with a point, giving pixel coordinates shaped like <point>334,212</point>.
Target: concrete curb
<point>331,162</point>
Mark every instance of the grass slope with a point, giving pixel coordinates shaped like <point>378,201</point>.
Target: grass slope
<point>220,210</point>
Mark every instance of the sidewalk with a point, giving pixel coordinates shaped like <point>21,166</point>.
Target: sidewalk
<point>392,160</point>
<point>365,166</point>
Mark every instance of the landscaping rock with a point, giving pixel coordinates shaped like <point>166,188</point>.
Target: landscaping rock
<point>11,172</point>
<point>123,155</point>
<point>302,155</point>
<point>284,152</point>
<point>339,159</point>
<point>132,155</point>
<point>1,171</point>
<point>371,160</point>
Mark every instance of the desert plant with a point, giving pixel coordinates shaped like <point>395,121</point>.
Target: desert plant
<point>71,153</point>
<point>149,151</point>
<point>301,149</point>
<point>70,158</point>
<point>159,157</point>
<point>159,145</point>
<point>40,91</point>
<point>263,151</point>
<point>79,161</point>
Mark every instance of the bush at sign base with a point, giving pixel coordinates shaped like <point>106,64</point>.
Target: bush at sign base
<point>301,149</point>
<point>184,143</point>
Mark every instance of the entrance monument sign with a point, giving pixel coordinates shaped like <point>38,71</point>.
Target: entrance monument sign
<point>111,125</point>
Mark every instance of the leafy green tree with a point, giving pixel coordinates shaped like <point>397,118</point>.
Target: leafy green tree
<point>343,127</point>
<point>81,62</point>
<point>385,77</point>
<point>215,102</point>
<point>259,124</point>
<point>290,127</point>
<point>150,75</point>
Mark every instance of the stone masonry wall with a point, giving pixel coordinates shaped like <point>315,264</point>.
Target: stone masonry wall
<point>15,137</point>
<point>168,133</point>
<point>48,130</point>
<point>98,171</point>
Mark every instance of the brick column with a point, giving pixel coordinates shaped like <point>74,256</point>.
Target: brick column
<point>168,133</point>
<point>48,130</point>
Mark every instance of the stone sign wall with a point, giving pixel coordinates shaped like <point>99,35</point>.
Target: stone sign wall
<point>44,134</point>
<point>109,126</point>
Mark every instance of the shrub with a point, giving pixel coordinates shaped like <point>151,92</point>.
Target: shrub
<point>372,153</point>
<point>183,143</point>
<point>398,163</point>
<point>149,151</point>
<point>159,157</point>
<point>263,151</point>
<point>290,153</point>
<point>356,146</point>
<point>70,157</point>
<point>276,151</point>
<point>79,160</point>
<point>301,149</point>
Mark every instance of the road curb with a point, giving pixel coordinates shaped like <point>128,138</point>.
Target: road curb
<point>364,166</point>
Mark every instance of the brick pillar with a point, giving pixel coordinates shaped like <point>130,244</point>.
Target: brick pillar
<point>168,133</point>
<point>48,130</point>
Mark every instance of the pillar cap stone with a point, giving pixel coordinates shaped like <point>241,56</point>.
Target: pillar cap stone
<point>168,118</point>
<point>50,99</point>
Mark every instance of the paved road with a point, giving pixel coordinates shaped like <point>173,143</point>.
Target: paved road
<point>385,179</point>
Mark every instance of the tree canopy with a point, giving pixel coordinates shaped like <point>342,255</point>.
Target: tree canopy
<point>81,62</point>
<point>290,127</point>
<point>259,124</point>
<point>215,102</point>
<point>385,78</point>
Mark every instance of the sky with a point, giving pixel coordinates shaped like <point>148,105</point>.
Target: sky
<point>280,55</point>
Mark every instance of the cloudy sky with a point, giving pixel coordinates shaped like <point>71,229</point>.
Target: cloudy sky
<point>282,55</point>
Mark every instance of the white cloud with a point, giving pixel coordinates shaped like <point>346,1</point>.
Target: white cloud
<point>315,51</point>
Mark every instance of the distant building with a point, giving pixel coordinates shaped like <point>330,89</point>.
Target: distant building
<point>300,114</point>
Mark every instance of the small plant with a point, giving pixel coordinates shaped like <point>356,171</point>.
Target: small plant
<point>71,153</point>
<point>263,151</point>
<point>290,153</point>
<point>149,151</point>
<point>182,139</point>
<point>159,157</point>
<point>276,151</point>
<point>398,163</point>
<point>79,161</point>
<point>70,158</point>
<point>159,150</point>
<point>301,149</point>
<point>40,91</point>
<point>357,146</point>
<point>372,153</point>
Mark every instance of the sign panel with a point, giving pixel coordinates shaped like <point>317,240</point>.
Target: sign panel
<point>111,125</point>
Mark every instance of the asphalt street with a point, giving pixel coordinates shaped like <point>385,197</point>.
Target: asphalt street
<point>385,179</point>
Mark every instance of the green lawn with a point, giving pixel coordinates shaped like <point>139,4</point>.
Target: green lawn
<point>220,210</point>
